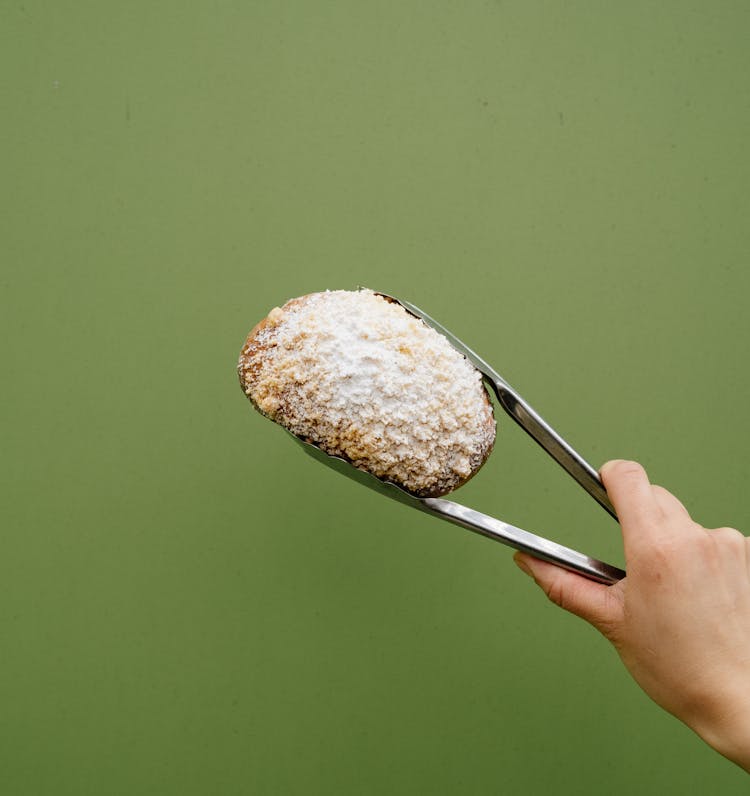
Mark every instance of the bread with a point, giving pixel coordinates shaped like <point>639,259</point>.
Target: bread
<point>363,379</point>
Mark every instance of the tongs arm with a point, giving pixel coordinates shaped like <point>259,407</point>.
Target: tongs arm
<point>540,431</point>
<point>532,423</point>
<point>526,542</point>
<point>475,521</point>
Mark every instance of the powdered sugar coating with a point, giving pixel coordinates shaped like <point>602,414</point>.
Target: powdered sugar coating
<point>363,379</point>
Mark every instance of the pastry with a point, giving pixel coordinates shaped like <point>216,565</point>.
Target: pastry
<point>357,375</point>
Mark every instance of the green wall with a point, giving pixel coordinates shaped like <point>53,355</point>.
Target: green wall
<point>188,605</point>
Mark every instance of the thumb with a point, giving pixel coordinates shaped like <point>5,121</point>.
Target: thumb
<point>599,605</point>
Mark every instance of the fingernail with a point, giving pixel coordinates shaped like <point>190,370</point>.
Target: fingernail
<point>522,565</point>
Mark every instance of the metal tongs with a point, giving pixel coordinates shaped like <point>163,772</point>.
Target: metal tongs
<point>512,403</point>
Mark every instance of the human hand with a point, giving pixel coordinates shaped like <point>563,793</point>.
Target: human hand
<point>680,620</point>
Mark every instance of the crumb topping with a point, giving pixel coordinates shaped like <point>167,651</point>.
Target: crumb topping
<point>361,378</point>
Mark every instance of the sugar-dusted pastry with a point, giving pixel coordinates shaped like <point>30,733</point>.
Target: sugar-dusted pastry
<point>361,378</point>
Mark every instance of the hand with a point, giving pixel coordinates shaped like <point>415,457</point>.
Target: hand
<point>680,620</point>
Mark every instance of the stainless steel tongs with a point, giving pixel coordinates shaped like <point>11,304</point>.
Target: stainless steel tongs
<point>512,403</point>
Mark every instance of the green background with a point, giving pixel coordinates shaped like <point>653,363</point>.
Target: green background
<point>188,605</point>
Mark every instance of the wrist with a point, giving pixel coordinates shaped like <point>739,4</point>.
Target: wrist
<point>726,728</point>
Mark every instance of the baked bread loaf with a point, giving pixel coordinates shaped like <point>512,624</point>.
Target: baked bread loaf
<point>363,379</point>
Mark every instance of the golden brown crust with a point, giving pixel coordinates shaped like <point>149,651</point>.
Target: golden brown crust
<point>249,364</point>
<point>255,347</point>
